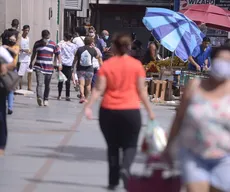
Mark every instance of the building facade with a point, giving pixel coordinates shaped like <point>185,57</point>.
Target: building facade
<point>39,14</point>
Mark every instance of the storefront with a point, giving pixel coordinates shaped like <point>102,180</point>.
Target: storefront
<point>126,15</point>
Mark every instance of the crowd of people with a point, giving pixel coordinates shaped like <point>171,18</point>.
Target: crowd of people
<point>113,68</point>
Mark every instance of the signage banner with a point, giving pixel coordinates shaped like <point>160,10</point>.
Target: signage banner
<point>221,3</point>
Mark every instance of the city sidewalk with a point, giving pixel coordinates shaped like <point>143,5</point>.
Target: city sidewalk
<point>56,149</point>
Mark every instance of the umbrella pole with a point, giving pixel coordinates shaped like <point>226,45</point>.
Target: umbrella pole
<point>173,54</point>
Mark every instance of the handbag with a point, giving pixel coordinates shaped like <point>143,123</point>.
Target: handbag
<point>9,80</point>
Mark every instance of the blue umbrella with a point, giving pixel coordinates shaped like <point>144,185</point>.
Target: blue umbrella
<point>174,31</point>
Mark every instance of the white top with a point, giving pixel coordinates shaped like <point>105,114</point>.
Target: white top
<point>24,44</point>
<point>5,56</point>
<point>68,51</point>
<point>96,63</point>
<point>79,41</point>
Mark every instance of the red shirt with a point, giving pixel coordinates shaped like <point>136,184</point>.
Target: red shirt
<point>121,73</point>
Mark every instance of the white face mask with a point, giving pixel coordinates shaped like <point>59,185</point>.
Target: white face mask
<point>220,69</point>
<point>92,35</point>
<point>46,40</point>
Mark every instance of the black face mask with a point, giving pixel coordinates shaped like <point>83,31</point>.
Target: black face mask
<point>11,43</point>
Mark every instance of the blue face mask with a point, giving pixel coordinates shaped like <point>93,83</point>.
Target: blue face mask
<point>106,37</point>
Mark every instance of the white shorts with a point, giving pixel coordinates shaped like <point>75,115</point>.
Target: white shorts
<point>24,67</point>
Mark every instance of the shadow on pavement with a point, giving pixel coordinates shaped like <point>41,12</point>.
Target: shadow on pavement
<point>71,153</point>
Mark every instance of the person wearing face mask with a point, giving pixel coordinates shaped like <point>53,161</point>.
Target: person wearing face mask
<point>202,126</point>
<point>13,49</point>
<point>99,42</point>
<point>44,51</point>
<point>105,36</point>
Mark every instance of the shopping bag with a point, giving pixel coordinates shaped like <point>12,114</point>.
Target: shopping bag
<point>157,176</point>
<point>61,77</point>
<point>155,139</point>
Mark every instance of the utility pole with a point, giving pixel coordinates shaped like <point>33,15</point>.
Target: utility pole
<point>96,14</point>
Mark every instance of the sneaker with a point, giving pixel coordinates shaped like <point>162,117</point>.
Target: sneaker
<point>59,98</point>
<point>39,101</point>
<point>112,187</point>
<point>67,99</point>
<point>10,112</point>
<point>46,103</point>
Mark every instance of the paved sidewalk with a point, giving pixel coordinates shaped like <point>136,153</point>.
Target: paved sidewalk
<point>56,149</point>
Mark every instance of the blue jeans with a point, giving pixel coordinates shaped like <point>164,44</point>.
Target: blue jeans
<point>10,100</point>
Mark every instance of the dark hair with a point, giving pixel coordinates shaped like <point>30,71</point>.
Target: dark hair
<point>45,33</point>
<point>15,23</point>
<point>206,39</point>
<point>153,40</point>
<point>88,40</point>
<point>216,51</point>
<point>122,42</point>
<point>68,36</point>
<point>227,42</point>
<point>26,27</point>
<point>81,31</point>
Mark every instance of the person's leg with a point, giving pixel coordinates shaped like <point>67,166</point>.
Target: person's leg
<point>94,78</point>
<point>60,86</point>
<point>3,125</point>
<point>40,81</point>
<point>68,74</point>
<point>48,78</point>
<point>88,81</point>
<point>29,81</point>
<point>21,73</point>
<point>108,127</point>
<point>130,125</point>
<point>81,77</point>
<point>194,172</point>
<point>10,102</point>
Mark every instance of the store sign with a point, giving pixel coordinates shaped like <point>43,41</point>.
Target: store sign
<point>220,3</point>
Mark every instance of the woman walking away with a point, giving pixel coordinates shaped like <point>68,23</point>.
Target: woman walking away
<point>203,126</point>
<point>68,51</point>
<point>122,81</point>
<point>85,71</point>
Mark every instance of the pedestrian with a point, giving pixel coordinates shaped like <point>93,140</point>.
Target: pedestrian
<point>6,62</point>
<point>107,52</point>
<point>24,58</point>
<point>202,127</point>
<point>10,32</point>
<point>44,51</point>
<point>199,59</point>
<point>122,81</point>
<point>97,63</point>
<point>13,48</point>
<point>79,40</point>
<point>99,42</point>
<point>85,70</point>
<point>68,51</point>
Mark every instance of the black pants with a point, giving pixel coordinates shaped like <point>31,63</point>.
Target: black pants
<point>66,70</point>
<point>121,130</point>
<point>3,125</point>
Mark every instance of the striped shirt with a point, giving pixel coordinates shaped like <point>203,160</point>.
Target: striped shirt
<point>45,53</point>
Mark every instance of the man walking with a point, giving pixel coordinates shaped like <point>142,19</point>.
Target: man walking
<point>24,57</point>
<point>44,51</point>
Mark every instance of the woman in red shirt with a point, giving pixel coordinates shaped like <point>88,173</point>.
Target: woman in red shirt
<point>122,81</point>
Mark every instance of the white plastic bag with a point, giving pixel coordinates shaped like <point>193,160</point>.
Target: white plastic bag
<point>155,139</point>
<point>61,77</point>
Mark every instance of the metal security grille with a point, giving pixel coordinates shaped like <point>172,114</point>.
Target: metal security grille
<point>73,4</point>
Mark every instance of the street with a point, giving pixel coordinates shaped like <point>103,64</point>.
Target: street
<point>56,149</point>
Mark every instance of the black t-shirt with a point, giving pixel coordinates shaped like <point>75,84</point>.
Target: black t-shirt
<point>92,52</point>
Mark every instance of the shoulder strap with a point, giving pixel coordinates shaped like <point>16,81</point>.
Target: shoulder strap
<point>82,40</point>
